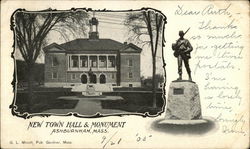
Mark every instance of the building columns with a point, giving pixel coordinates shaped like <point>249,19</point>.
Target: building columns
<point>97,61</point>
<point>107,61</point>
<point>78,61</point>
<point>70,63</point>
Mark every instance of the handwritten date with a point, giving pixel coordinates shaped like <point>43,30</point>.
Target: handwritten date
<point>113,140</point>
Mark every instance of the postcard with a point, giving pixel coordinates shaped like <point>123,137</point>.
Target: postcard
<point>124,74</point>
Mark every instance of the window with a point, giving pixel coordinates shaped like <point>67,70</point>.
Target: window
<point>54,61</point>
<point>84,61</point>
<point>102,61</point>
<point>54,75</point>
<point>130,75</point>
<point>130,85</point>
<point>130,62</point>
<point>74,61</point>
<point>73,76</point>
<point>111,61</point>
<point>93,61</point>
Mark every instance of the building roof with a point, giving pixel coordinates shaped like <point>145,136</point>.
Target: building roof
<point>86,44</point>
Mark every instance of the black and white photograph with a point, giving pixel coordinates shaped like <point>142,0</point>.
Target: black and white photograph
<point>87,62</point>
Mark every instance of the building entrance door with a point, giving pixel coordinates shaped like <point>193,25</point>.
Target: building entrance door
<point>92,78</point>
<point>102,79</point>
<point>84,79</point>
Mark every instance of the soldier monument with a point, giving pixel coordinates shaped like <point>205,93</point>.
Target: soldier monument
<point>183,101</point>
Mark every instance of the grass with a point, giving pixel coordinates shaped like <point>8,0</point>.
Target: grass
<point>135,102</point>
<point>45,99</point>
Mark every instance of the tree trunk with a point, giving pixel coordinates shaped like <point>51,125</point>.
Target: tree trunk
<point>154,83</point>
<point>30,74</point>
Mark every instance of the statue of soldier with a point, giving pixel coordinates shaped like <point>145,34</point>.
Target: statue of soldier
<point>182,49</point>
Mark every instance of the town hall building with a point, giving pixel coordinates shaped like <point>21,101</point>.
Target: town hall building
<point>92,60</point>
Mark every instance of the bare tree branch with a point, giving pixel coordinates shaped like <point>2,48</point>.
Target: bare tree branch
<point>154,24</point>
<point>32,29</point>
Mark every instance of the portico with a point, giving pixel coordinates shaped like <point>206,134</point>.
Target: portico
<point>94,78</point>
<point>97,62</point>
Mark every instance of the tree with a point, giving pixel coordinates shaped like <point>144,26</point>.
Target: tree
<point>32,28</point>
<point>147,27</point>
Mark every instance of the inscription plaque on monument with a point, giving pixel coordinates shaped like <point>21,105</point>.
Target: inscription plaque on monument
<point>178,91</point>
<point>183,105</point>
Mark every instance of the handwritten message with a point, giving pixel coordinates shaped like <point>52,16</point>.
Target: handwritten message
<point>218,52</point>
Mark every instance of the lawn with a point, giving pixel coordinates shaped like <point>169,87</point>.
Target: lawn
<point>43,101</point>
<point>138,101</point>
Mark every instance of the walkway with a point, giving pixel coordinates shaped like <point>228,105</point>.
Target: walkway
<point>88,106</point>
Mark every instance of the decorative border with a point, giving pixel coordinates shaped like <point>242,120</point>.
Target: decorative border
<point>27,115</point>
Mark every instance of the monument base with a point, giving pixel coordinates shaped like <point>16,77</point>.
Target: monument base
<point>183,122</point>
<point>183,101</point>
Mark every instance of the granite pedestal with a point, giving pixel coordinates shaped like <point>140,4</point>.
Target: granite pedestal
<point>183,101</point>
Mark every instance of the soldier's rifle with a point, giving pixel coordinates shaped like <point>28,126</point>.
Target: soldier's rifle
<point>175,48</point>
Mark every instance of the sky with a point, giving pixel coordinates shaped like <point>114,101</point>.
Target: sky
<point>111,25</point>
